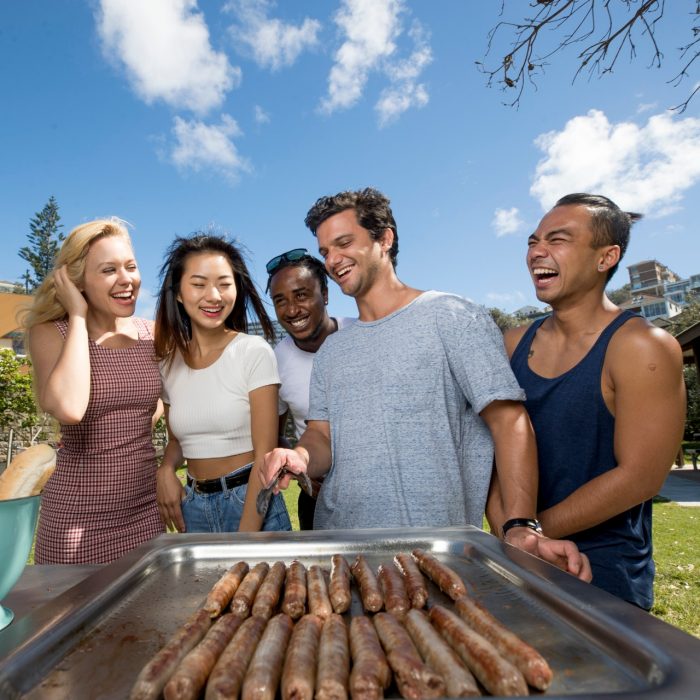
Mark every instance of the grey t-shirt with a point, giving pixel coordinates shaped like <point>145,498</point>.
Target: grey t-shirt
<point>402,395</point>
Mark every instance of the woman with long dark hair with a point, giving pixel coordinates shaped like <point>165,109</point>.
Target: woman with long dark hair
<point>220,388</point>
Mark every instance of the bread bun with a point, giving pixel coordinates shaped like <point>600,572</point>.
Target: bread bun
<point>28,472</point>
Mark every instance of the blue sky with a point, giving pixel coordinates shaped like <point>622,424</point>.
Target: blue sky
<point>178,115</point>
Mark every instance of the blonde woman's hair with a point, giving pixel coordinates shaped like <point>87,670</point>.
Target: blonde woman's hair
<point>45,305</point>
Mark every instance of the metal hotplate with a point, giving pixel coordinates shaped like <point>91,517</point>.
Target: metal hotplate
<point>92,641</point>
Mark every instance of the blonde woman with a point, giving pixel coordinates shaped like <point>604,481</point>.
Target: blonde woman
<point>95,372</point>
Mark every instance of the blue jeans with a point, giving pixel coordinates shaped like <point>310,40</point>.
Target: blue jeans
<point>222,511</point>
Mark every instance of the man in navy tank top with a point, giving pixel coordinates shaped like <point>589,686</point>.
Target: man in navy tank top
<point>605,394</point>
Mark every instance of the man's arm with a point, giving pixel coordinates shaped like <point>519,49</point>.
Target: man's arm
<point>516,461</point>
<point>513,492</point>
<point>312,455</point>
<point>645,373</point>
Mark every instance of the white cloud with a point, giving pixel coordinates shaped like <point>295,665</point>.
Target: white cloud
<point>371,28</point>
<point>200,146</point>
<point>164,47</point>
<point>505,297</point>
<point>506,221</point>
<point>642,168</point>
<point>261,116</point>
<point>646,107</point>
<point>405,92</point>
<point>272,43</point>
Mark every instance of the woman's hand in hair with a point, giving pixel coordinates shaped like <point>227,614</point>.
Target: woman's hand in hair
<point>68,294</point>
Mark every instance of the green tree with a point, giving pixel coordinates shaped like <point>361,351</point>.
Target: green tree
<point>621,295</point>
<point>692,387</point>
<point>504,320</point>
<point>17,407</point>
<point>44,238</point>
<point>599,31</point>
<point>18,410</point>
<point>686,318</point>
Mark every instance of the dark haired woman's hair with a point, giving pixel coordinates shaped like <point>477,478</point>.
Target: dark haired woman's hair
<point>173,329</point>
<point>372,211</point>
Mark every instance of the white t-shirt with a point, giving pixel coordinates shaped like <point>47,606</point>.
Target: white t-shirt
<point>294,366</point>
<point>209,410</point>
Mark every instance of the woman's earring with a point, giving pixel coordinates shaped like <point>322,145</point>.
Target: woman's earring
<point>601,268</point>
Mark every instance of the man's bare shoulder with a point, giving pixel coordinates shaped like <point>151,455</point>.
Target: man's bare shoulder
<point>512,336</point>
<point>640,343</point>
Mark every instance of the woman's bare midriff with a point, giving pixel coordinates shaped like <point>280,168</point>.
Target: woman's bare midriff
<point>215,467</point>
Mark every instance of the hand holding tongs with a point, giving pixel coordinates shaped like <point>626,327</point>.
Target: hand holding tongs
<point>262,502</point>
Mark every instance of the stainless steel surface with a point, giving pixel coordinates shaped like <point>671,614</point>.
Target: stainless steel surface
<point>39,584</point>
<point>93,639</point>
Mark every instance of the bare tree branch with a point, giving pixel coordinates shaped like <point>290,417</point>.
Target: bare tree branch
<point>607,29</point>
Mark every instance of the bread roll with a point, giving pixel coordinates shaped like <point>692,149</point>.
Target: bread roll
<point>28,472</point>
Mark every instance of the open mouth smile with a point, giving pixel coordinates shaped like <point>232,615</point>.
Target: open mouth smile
<point>543,275</point>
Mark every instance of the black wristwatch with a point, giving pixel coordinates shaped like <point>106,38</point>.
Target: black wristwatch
<point>532,523</point>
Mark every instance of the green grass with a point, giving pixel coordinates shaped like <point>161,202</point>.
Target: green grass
<point>677,556</point>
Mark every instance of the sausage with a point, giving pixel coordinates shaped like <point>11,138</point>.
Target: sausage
<point>496,674</point>
<point>299,673</point>
<point>414,679</point>
<point>333,660</point>
<point>317,592</point>
<point>372,599</point>
<point>265,667</point>
<point>339,588</point>
<point>221,593</point>
<point>157,671</point>
<point>192,673</point>
<point>370,673</point>
<point>534,668</point>
<point>226,678</point>
<point>442,576</point>
<point>415,583</point>
<point>294,600</point>
<point>394,590</point>
<point>270,590</point>
<point>245,595</point>
<point>438,654</point>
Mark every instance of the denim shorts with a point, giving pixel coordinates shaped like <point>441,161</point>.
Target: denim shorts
<point>222,511</point>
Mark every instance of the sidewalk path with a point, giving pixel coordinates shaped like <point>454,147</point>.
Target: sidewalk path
<point>683,487</point>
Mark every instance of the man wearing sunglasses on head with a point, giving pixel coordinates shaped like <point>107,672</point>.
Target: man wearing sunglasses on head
<point>298,286</point>
<point>409,404</point>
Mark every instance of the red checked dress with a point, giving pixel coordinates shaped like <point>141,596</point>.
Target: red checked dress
<point>101,500</point>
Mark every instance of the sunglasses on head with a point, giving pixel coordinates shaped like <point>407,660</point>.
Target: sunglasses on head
<point>289,256</point>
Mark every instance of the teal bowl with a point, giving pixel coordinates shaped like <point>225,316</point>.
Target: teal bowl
<point>18,518</point>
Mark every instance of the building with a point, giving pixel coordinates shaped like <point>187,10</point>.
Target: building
<point>652,307</point>
<point>254,328</point>
<point>651,277</point>
<point>10,335</point>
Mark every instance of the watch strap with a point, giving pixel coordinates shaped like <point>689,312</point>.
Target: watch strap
<point>532,523</point>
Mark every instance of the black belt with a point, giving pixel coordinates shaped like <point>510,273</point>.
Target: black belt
<point>215,485</point>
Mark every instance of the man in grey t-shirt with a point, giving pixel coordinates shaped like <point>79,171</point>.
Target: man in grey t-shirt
<point>412,402</point>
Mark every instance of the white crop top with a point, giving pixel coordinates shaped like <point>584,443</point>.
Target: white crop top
<point>209,410</point>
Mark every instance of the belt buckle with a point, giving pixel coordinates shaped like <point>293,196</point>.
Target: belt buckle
<point>195,485</point>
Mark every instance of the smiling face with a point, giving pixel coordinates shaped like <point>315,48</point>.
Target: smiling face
<point>353,259</point>
<point>300,304</point>
<point>111,280</point>
<point>562,259</point>
<point>207,290</point>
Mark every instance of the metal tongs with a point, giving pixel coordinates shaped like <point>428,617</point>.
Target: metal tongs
<point>262,502</point>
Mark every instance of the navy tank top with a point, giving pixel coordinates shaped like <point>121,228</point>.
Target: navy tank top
<point>575,443</point>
